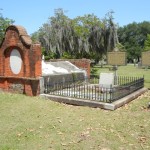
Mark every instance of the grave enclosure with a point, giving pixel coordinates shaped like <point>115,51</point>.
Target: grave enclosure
<point>109,89</point>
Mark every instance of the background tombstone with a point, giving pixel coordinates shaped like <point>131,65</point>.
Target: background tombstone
<point>116,59</point>
<point>146,58</point>
<point>20,62</point>
<point>140,63</point>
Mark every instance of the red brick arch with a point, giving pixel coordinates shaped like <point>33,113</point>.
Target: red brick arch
<point>16,37</point>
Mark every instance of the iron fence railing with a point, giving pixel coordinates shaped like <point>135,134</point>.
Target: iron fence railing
<point>126,86</point>
<point>91,90</point>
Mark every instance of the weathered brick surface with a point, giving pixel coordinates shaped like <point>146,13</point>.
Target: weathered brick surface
<point>16,38</point>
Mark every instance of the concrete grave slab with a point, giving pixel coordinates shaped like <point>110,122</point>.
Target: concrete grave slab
<point>61,67</point>
<point>62,72</point>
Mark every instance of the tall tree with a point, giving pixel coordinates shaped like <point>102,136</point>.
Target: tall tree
<point>85,36</point>
<point>110,32</point>
<point>133,36</point>
<point>89,35</point>
<point>57,35</point>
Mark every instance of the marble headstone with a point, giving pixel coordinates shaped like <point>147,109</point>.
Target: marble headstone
<point>15,61</point>
<point>106,80</point>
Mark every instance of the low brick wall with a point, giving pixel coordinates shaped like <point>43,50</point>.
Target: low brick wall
<point>28,86</point>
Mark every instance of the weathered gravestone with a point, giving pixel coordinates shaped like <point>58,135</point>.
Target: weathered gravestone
<point>106,80</point>
<point>146,58</point>
<point>116,58</point>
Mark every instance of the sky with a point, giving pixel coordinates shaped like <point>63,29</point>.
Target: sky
<point>32,14</point>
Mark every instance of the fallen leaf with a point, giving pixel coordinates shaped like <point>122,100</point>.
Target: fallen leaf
<point>31,130</point>
<point>19,134</point>
<point>63,144</point>
<point>59,133</point>
<point>142,139</point>
<point>59,121</point>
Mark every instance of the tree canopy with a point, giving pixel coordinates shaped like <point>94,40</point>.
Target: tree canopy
<point>87,36</point>
<point>84,36</point>
<point>132,37</point>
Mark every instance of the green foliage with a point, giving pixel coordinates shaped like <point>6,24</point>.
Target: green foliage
<point>4,23</point>
<point>35,37</point>
<point>82,24</point>
<point>132,37</point>
<point>50,55</point>
<point>85,36</point>
<point>147,43</point>
<point>94,71</point>
<point>120,47</point>
<point>67,55</point>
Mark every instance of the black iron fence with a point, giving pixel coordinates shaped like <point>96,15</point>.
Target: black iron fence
<point>126,86</point>
<point>91,90</point>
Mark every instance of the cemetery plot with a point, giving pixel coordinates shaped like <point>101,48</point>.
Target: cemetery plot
<point>96,92</point>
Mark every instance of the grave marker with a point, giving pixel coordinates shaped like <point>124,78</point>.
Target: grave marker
<point>106,80</point>
<point>146,58</point>
<point>116,58</point>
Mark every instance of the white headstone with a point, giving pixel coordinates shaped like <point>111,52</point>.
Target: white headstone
<point>106,80</point>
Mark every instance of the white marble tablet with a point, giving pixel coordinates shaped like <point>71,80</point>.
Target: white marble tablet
<point>15,61</point>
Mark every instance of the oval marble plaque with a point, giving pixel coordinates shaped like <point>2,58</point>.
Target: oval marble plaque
<point>15,61</point>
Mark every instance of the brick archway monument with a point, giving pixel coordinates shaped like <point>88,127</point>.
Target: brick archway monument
<point>20,62</point>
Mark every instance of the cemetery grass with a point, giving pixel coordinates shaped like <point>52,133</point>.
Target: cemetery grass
<point>129,70</point>
<point>33,123</point>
